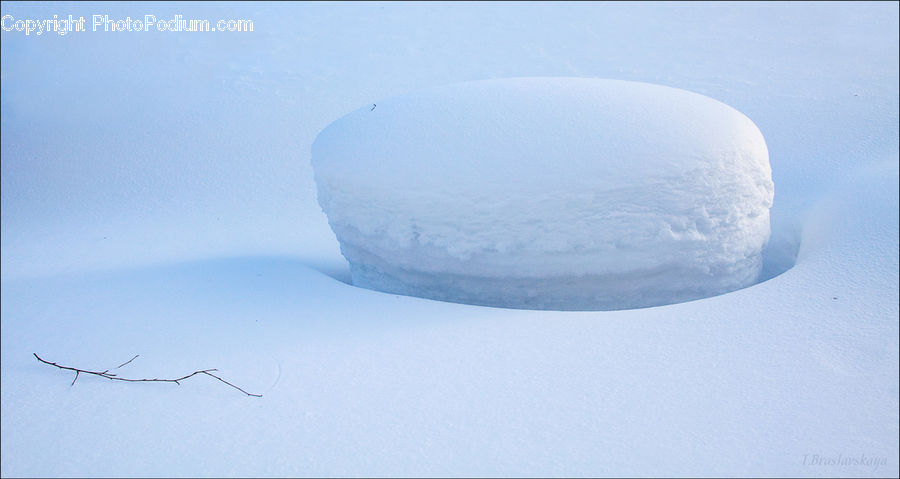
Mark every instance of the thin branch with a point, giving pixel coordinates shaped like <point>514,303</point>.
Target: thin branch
<point>228,383</point>
<point>126,362</point>
<point>112,377</point>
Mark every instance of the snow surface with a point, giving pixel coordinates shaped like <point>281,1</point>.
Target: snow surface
<point>158,199</point>
<point>548,193</point>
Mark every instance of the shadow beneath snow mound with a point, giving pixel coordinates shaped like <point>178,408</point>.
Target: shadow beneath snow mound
<point>780,253</point>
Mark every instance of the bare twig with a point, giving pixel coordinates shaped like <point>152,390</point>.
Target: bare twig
<point>126,362</point>
<point>228,383</point>
<point>112,377</point>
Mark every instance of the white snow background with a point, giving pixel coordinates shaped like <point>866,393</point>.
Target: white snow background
<point>157,199</point>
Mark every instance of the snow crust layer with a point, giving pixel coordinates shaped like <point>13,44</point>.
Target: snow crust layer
<point>548,193</point>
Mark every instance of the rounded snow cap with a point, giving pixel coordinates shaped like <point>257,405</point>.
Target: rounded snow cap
<point>548,193</point>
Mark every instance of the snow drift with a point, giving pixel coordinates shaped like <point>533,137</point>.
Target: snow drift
<point>548,193</point>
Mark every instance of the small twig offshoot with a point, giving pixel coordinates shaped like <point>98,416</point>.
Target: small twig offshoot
<point>126,362</point>
<point>112,377</point>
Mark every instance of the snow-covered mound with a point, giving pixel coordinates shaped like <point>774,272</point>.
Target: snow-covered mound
<point>548,193</point>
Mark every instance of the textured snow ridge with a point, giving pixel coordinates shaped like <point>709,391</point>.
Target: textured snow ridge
<point>548,193</point>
